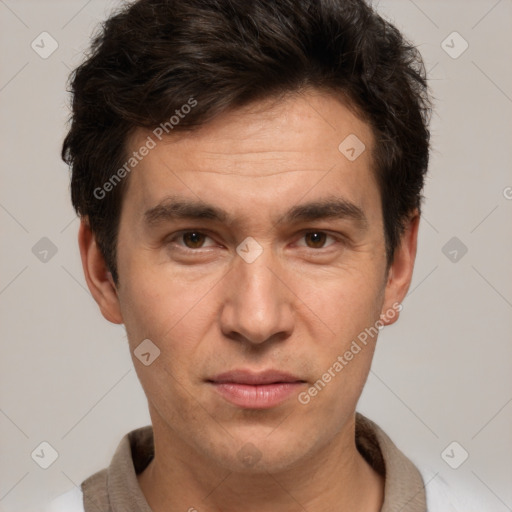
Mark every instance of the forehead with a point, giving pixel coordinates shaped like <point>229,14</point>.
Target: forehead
<point>259,157</point>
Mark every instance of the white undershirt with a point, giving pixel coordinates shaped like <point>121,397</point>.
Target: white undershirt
<point>440,498</point>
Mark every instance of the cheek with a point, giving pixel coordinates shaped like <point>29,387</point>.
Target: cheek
<point>348,307</point>
<point>156,300</point>
<point>176,315</point>
<point>348,303</point>
<point>168,317</point>
<point>343,357</point>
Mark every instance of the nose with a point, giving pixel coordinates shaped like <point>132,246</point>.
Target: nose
<point>258,303</point>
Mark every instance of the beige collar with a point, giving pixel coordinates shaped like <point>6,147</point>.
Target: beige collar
<point>116,489</point>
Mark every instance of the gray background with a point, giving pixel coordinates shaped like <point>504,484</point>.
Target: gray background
<point>441,374</point>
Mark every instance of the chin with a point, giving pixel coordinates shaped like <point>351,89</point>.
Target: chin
<point>262,454</point>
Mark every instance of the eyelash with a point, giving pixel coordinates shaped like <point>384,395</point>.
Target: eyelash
<point>179,236</point>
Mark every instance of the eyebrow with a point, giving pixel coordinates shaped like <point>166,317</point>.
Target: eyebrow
<point>175,208</point>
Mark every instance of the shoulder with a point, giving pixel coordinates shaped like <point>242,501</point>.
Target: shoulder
<point>439,496</point>
<point>70,501</point>
<point>450,494</point>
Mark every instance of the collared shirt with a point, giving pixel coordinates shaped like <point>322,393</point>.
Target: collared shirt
<point>116,488</point>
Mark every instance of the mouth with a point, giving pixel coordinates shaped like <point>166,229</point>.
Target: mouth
<point>250,390</point>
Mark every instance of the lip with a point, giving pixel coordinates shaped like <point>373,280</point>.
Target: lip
<point>254,378</point>
<point>251,390</point>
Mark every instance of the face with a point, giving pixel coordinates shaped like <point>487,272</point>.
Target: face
<point>251,253</point>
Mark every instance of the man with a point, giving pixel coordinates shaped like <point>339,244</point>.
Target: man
<point>248,177</point>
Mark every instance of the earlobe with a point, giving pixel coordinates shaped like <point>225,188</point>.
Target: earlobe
<point>400,271</point>
<point>98,277</point>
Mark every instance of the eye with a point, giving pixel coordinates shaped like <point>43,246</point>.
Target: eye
<point>316,239</point>
<point>190,239</point>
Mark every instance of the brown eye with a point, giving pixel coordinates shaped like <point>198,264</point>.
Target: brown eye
<point>193,239</point>
<point>316,239</point>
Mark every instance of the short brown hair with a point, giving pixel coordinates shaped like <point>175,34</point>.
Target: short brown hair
<point>151,57</point>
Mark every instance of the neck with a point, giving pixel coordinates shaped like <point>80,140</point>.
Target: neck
<point>336,478</point>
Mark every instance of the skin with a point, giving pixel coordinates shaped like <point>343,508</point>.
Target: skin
<point>296,308</point>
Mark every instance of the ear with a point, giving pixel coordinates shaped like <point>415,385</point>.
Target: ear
<point>98,277</point>
<point>400,271</point>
